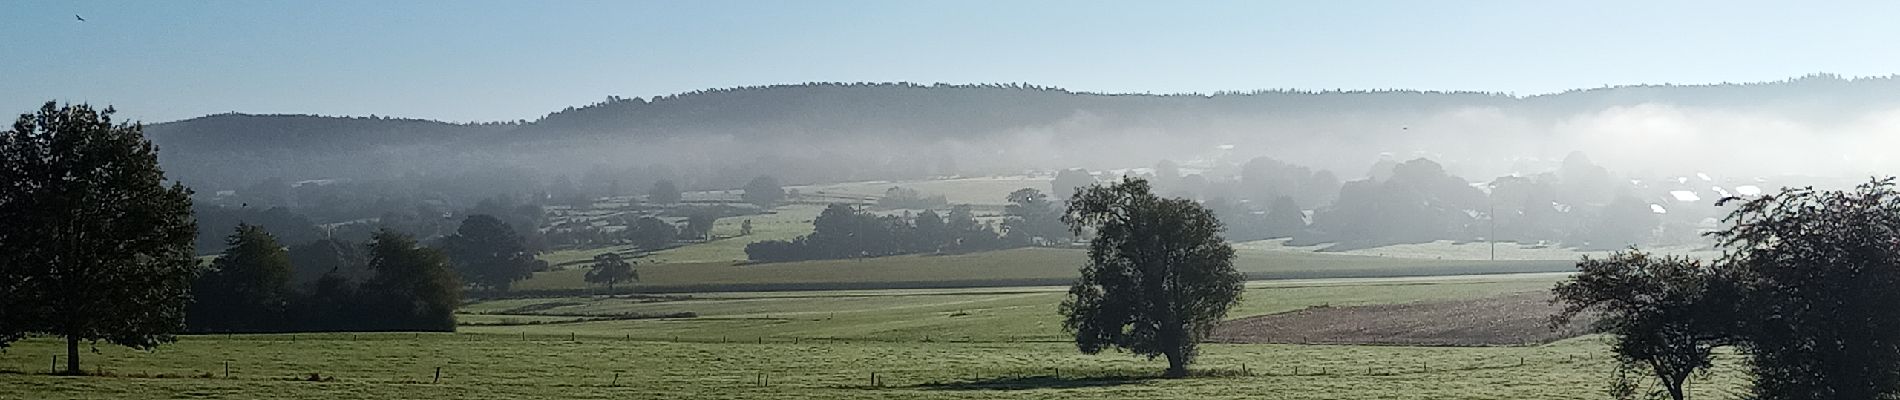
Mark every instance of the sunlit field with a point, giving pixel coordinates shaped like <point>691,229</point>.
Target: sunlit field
<point>934,344</point>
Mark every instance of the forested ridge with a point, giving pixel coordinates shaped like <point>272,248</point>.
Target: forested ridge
<point>844,131</point>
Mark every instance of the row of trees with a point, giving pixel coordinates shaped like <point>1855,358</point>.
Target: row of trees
<point>1413,201</point>
<point>843,231</point>
<point>249,289</point>
<point>1805,288</point>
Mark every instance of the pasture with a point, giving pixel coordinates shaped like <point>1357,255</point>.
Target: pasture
<point>1017,267</point>
<point>981,344</point>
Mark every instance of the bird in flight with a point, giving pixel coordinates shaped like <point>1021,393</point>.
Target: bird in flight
<point>77,17</point>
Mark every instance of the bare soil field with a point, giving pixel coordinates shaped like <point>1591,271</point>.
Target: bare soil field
<point>1514,319</point>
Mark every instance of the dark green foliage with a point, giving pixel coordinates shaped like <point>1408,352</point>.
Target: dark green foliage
<point>1418,203</point>
<point>414,287</point>
<point>94,247</point>
<point>609,269</point>
<point>247,288</point>
<point>216,222</point>
<point>699,226</point>
<point>1667,314</point>
<point>1031,217</point>
<point>1284,218</point>
<point>841,231</point>
<point>1159,276</point>
<point>1521,211</point>
<point>763,191</point>
<point>1626,221</point>
<point>526,219</point>
<point>652,233</point>
<point>1819,269</point>
<point>664,192</point>
<point>1068,181</point>
<point>328,257</point>
<point>1265,179</point>
<point>487,254</point>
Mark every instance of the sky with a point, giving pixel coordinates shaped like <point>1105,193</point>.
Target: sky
<point>500,61</point>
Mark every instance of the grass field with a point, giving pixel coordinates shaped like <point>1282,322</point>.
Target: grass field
<point>981,314</point>
<point>1449,250</point>
<point>874,332</point>
<point>1029,266</point>
<point>782,223</point>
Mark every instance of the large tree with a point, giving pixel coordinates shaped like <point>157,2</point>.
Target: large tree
<point>652,233</point>
<point>664,192</point>
<point>1819,271</point>
<point>414,288</point>
<point>1667,314</point>
<point>487,253</point>
<point>96,246</point>
<point>1069,181</point>
<point>1030,214</point>
<point>1159,275</point>
<point>609,268</point>
<point>247,288</point>
<point>763,191</point>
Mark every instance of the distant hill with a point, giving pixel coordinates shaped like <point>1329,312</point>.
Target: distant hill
<point>843,131</point>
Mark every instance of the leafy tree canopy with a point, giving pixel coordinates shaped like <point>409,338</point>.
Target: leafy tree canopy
<point>97,247</point>
<point>1159,275</point>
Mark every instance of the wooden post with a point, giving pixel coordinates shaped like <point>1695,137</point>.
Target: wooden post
<point>227,370</point>
<point>438,375</point>
<point>55,363</point>
<point>616,380</point>
<point>1244,371</point>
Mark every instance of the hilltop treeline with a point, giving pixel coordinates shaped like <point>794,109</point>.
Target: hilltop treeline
<point>886,131</point>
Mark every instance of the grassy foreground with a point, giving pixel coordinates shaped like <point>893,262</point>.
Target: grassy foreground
<point>927,344</point>
<point>502,367</point>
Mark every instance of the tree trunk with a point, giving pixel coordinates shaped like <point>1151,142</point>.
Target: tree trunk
<point>72,355</point>
<point>1177,362</point>
<point>1675,385</point>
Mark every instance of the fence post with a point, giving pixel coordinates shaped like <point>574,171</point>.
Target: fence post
<point>55,363</point>
<point>438,375</point>
<point>227,370</point>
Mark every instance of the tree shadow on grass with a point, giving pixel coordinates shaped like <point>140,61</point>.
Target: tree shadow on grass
<point>1039,382</point>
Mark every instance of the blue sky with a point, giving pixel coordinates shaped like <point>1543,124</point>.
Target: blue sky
<point>485,60</point>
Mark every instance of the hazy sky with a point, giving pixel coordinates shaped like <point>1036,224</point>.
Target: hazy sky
<point>481,60</point>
